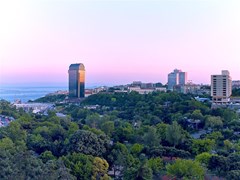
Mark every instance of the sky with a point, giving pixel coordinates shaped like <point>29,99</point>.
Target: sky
<point>118,41</point>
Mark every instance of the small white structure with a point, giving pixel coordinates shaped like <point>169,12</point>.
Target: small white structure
<point>35,107</point>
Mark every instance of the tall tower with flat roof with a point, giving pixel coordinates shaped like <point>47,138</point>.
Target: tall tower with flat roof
<point>76,79</point>
<point>221,87</point>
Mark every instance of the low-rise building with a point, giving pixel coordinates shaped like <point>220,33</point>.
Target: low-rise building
<point>146,90</point>
<point>88,92</point>
<point>35,107</point>
<point>190,89</point>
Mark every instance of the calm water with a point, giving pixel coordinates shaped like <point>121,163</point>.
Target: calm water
<point>25,93</point>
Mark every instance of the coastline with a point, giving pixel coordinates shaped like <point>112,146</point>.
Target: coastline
<point>26,93</point>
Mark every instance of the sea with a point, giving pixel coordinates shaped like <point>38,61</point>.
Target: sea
<point>26,93</point>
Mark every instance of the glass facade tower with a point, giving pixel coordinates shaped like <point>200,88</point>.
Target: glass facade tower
<point>177,77</point>
<point>76,74</point>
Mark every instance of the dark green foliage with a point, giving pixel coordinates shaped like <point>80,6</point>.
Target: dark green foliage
<point>142,172</point>
<point>219,164</point>
<point>136,136</point>
<point>234,174</point>
<point>79,164</point>
<point>185,169</point>
<point>88,143</point>
<point>202,145</point>
<point>167,151</point>
<point>151,138</point>
<point>47,156</point>
<point>156,164</point>
<point>174,134</point>
<point>7,110</point>
<point>25,165</point>
<point>236,92</point>
<point>120,158</point>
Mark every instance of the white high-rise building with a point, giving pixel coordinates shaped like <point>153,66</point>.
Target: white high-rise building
<point>221,87</point>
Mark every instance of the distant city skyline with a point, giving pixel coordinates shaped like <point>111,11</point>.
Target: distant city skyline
<point>119,41</point>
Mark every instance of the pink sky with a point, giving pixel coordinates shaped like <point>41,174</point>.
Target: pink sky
<point>118,42</point>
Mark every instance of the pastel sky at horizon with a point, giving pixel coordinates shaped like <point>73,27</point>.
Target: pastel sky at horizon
<point>118,41</point>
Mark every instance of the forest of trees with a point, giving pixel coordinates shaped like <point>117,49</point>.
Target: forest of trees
<point>236,92</point>
<point>128,136</point>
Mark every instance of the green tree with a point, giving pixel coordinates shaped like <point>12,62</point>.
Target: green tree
<point>229,115</point>
<point>174,134</point>
<point>219,164</point>
<point>108,127</point>
<point>185,169</point>
<point>37,143</point>
<point>151,137</point>
<point>81,165</point>
<point>100,169</point>
<point>73,127</point>
<point>93,120</point>
<point>234,174</point>
<point>197,114</point>
<point>202,145</point>
<point>25,165</point>
<point>213,122</point>
<point>139,172</point>
<point>6,144</point>
<point>120,158</point>
<point>136,149</point>
<point>203,158</point>
<point>88,143</point>
<point>228,145</point>
<point>216,135</point>
<point>156,164</point>
<point>161,130</point>
<point>17,134</point>
<point>47,156</point>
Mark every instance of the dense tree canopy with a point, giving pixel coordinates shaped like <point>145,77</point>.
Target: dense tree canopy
<point>125,136</point>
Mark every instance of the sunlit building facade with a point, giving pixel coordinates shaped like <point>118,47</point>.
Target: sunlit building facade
<point>221,87</point>
<point>182,78</point>
<point>76,74</point>
<point>177,77</point>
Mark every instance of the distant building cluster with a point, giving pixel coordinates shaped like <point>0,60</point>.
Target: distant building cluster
<point>58,93</point>
<point>5,120</point>
<point>140,87</point>
<point>35,108</point>
<point>146,90</point>
<point>178,81</point>
<point>220,89</point>
<point>236,84</point>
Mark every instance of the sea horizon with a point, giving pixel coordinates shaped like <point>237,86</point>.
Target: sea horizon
<point>26,93</point>
<point>33,91</point>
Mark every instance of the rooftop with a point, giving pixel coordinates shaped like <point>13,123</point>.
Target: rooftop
<point>77,66</point>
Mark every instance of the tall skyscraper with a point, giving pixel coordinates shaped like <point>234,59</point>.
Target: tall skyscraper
<point>177,77</point>
<point>221,87</point>
<point>182,78</point>
<point>76,76</point>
